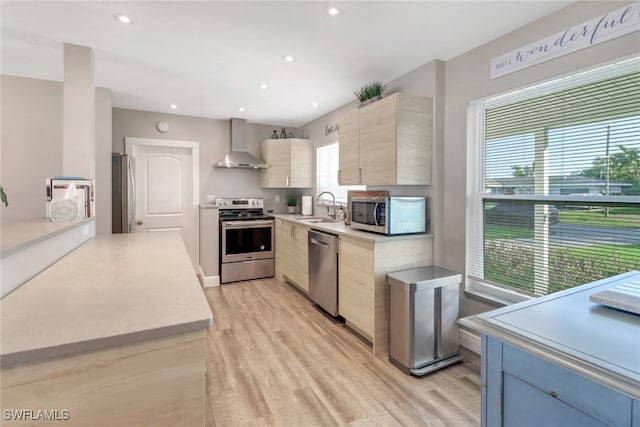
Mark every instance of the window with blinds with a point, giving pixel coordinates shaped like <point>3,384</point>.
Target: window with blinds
<point>327,165</point>
<point>555,199</point>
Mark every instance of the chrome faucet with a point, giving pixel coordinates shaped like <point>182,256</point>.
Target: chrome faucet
<point>331,215</point>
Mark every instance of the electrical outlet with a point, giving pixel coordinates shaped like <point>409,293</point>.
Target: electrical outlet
<point>211,198</point>
<point>277,198</point>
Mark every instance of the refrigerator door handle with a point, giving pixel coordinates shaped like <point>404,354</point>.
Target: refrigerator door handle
<point>132,195</point>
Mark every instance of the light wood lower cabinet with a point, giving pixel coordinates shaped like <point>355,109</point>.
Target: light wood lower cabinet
<point>356,278</point>
<point>159,382</point>
<point>363,295</point>
<point>292,254</point>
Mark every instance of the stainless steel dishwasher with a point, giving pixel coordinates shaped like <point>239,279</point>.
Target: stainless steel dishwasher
<point>323,270</point>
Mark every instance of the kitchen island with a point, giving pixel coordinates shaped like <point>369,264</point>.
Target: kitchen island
<point>561,360</point>
<point>364,259</point>
<point>111,334</point>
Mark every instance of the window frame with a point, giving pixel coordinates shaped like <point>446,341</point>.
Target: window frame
<point>340,201</point>
<point>475,180</point>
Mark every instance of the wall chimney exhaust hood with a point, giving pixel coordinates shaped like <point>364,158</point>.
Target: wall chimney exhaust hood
<point>239,157</point>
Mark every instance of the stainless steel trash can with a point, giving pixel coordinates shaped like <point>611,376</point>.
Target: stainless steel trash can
<point>423,333</point>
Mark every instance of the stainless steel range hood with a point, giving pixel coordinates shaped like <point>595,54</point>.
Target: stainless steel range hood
<point>239,157</point>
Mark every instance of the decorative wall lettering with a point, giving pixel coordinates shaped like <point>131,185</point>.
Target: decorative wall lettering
<point>328,130</point>
<point>606,27</point>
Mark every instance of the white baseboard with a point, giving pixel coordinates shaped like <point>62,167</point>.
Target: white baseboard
<point>207,281</point>
<point>470,340</point>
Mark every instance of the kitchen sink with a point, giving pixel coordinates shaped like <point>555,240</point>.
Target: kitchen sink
<point>317,220</point>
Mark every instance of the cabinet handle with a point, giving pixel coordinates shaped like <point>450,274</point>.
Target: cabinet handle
<point>287,181</point>
<point>339,176</point>
<point>359,175</point>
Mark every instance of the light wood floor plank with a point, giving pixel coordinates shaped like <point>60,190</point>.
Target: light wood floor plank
<point>273,358</point>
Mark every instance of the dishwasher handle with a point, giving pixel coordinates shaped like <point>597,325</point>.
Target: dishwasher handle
<point>318,242</point>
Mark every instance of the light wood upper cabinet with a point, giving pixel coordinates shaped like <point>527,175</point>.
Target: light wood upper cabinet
<point>349,149</point>
<point>391,140</point>
<point>290,163</point>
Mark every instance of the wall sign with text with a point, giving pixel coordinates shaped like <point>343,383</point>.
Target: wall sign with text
<point>606,27</point>
<point>331,129</point>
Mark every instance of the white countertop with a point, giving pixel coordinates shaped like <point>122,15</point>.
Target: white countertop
<point>16,236</point>
<point>567,329</point>
<point>339,228</point>
<point>110,291</point>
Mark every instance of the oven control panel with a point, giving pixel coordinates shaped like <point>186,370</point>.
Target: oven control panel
<point>240,203</point>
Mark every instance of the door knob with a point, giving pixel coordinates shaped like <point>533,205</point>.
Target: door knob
<point>139,222</point>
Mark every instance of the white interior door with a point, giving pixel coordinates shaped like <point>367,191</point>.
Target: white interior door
<point>166,188</point>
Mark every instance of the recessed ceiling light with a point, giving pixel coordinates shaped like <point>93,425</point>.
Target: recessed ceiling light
<point>241,109</point>
<point>173,106</point>
<point>289,58</point>
<point>263,85</point>
<point>333,11</point>
<point>122,18</point>
<point>314,104</point>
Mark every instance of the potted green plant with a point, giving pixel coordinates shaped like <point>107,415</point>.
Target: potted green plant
<point>369,93</point>
<point>292,201</point>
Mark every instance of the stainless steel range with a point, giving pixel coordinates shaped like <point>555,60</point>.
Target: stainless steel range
<point>246,240</point>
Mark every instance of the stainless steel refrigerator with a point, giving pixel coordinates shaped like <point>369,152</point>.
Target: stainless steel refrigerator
<point>122,194</point>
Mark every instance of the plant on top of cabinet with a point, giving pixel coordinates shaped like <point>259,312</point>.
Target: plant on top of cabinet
<point>369,92</point>
<point>290,163</point>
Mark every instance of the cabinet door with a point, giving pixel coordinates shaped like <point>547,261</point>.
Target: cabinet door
<point>301,175</point>
<point>414,139</point>
<point>280,247</point>
<point>286,250</point>
<point>378,142</point>
<point>349,151</point>
<point>293,254</point>
<point>528,406</point>
<point>277,154</point>
<point>356,292</point>
<point>300,257</point>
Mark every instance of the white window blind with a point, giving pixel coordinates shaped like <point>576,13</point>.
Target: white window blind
<point>555,197</point>
<point>327,164</point>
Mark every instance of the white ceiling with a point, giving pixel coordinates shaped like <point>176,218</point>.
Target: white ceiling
<point>209,57</point>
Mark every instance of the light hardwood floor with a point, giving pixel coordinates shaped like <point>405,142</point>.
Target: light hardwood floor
<point>274,359</point>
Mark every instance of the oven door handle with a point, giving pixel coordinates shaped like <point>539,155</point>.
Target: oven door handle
<point>237,224</point>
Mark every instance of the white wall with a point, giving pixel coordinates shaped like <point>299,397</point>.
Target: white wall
<point>103,161</point>
<point>214,140</point>
<point>32,149</point>
<point>78,112</point>
<point>31,145</point>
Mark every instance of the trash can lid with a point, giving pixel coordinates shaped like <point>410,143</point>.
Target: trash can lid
<point>423,278</point>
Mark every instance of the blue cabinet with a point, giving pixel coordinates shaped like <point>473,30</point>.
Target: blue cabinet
<point>526,390</point>
<point>561,360</point>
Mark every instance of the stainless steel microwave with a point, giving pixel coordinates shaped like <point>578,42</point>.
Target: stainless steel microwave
<point>389,215</point>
